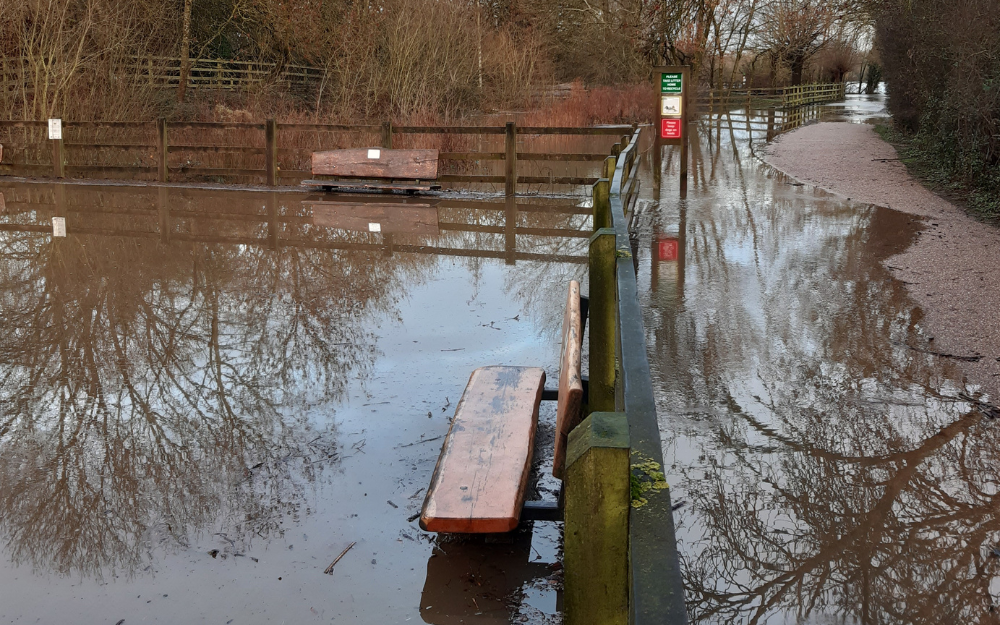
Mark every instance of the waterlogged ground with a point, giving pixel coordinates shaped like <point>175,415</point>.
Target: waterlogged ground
<point>207,396</point>
<point>829,467</point>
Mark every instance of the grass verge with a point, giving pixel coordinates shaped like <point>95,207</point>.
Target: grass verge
<point>939,175</point>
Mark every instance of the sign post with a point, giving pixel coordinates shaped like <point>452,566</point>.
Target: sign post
<point>672,91</point>
<point>55,135</point>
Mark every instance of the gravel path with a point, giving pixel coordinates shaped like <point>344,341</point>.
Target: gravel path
<point>952,272</point>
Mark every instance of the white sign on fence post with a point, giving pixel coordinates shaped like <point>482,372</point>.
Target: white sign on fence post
<point>58,226</point>
<point>55,130</point>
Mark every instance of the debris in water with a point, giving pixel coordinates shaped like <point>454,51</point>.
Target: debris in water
<point>389,501</point>
<point>412,517</point>
<point>329,569</point>
<point>426,440</point>
<point>214,553</point>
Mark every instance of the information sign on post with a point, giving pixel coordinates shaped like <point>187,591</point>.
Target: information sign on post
<point>673,91</point>
<point>672,83</point>
<point>55,130</point>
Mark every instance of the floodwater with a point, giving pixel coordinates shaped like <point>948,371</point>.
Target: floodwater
<point>828,466</point>
<point>207,396</point>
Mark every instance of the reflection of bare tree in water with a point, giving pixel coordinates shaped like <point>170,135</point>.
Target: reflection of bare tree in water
<point>151,391</point>
<point>836,474</point>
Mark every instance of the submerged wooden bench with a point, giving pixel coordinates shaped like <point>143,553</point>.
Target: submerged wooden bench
<point>375,169</point>
<point>482,474</point>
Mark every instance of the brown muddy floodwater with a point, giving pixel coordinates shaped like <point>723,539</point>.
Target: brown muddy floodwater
<point>829,468</point>
<point>206,396</point>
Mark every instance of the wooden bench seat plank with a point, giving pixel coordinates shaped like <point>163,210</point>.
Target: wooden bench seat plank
<point>376,163</point>
<point>568,412</point>
<point>481,476</point>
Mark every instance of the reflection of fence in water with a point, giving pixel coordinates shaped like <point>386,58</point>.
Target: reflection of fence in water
<point>512,231</point>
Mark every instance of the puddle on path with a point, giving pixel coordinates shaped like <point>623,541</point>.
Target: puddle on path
<point>206,396</point>
<point>826,468</point>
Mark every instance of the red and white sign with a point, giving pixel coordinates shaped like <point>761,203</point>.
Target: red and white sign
<point>667,249</point>
<point>670,128</point>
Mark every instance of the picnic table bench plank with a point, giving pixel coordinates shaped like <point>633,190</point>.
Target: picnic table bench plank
<point>570,402</point>
<point>376,163</point>
<point>482,473</point>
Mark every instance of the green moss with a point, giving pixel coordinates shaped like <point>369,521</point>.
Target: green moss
<point>647,477</point>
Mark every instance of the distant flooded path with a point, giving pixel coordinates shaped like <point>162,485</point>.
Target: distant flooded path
<point>827,465</point>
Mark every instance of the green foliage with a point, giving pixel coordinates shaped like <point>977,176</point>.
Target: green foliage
<point>939,164</point>
<point>941,60</point>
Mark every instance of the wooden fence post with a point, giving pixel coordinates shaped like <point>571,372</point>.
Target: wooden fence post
<point>58,168</point>
<point>510,160</point>
<point>598,497</point>
<point>271,152</point>
<point>387,135</point>
<point>161,148</point>
<point>608,170</point>
<point>603,319</point>
<point>601,195</point>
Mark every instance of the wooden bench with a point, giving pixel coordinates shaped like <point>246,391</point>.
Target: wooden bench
<point>482,474</point>
<point>375,169</point>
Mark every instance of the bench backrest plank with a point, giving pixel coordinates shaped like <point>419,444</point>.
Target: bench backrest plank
<point>570,377</point>
<point>482,473</point>
<point>377,163</point>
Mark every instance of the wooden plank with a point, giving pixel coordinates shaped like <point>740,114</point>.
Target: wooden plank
<point>556,180</point>
<point>445,130</point>
<point>471,156</point>
<point>120,146</point>
<point>542,156</point>
<point>586,130</point>
<point>397,218</point>
<point>365,185</point>
<point>470,178</point>
<point>330,127</point>
<point>234,149</point>
<point>568,411</point>
<point>376,163</point>
<point>481,476</point>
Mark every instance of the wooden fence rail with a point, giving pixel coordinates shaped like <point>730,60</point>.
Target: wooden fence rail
<point>159,150</point>
<point>782,97</point>
<point>203,73</point>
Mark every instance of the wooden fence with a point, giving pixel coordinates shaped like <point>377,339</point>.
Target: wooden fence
<point>165,71</point>
<point>278,153</point>
<point>779,97</point>
<point>624,566</point>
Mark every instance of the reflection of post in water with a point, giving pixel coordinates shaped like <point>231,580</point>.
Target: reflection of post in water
<point>272,220</point>
<point>163,212</point>
<point>510,229</point>
<point>770,124</point>
<point>657,167</point>
<point>472,582</point>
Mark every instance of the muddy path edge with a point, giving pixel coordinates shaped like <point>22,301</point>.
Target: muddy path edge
<point>952,271</point>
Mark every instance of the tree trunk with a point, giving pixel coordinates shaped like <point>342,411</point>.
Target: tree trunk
<point>798,64</point>
<point>185,51</point>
